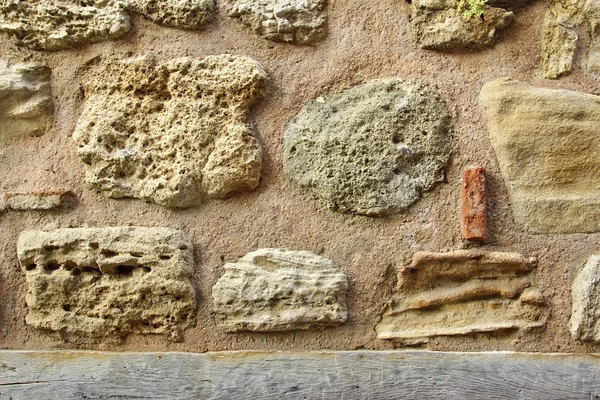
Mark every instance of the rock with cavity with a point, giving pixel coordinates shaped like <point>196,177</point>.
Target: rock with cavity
<point>462,292</point>
<point>547,145</point>
<point>280,290</point>
<point>26,106</point>
<point>184,14</point>
<point>39,200</point>
<point>371,149</point>
<point>62,24</point>
<point>301,22</point>
<point>175,132</point>
<point>93,285</point>
<point>438,25</point>
<point>585,292</point>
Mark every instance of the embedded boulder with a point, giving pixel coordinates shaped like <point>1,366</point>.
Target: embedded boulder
<point>371,149</point>
<point>174,133</point>
<point>92,285</point>
<point>291,21</point>
<point>546,142</point>
<point>438,25</point>
<point>26,106</point>
<point>280,290</point>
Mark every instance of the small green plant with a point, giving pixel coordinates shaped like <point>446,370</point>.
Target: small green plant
<point>471,8</point>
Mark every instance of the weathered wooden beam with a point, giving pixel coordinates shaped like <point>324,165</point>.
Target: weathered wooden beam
<point>285,375</point>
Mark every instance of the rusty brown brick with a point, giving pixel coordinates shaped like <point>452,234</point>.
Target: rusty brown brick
<point>473,207</point>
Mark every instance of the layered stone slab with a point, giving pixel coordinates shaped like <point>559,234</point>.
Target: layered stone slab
<point>585,291</point>
<point>372,149</point>
<point>279,290</point>
<point>547,145</point>
<point>26,105</point>
<point>462,292</point>
<point>174,133</point>
<point>92,285</point>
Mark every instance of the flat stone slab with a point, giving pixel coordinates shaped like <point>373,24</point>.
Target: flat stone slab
<point>547,145</point>
<point>94,285</point>
<point>373,375</point>
<point>280,290</point>
<point>585,291</point>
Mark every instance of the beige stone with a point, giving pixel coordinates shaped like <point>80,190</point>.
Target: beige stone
<point>438,25</point>
<point>42,200</point>
<point>185,14</point>
<point>279,290</point>
<point>174,133</point>
<point>90,285</point>
<point>585,291</point>
<point>61,24</point>
<point>301,22</point>
<point>462,292</point>
<point>547,145</point>
<point>26,106</point>
<point>591,12</point>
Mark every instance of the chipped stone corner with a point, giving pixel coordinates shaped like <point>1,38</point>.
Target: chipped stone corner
<point>97,285</point>
<point>26,104</point>
<point>271,290</point>
<point>584,323</point>
<point>463,292</point>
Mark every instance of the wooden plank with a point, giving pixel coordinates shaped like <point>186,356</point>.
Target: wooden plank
<point>307,375</point>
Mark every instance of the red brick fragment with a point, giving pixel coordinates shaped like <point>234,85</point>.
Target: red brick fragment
<point>473,207</point>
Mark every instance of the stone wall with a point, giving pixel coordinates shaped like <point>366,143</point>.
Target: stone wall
<point>298,175</point>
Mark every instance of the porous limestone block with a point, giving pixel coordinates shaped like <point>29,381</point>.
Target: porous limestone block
<point>26,106</point>
<point>93,285</point>
<point>585,291</point>
<point>301,22</point>
<point>175,132</point>
<point>438,25</point>
<point>462,292</point>
<point>62,24</point>
<point>547,145</point>
<point>280,290</point>
<point>371,149</point>
<point>41,200</point>
<point>184,14</point>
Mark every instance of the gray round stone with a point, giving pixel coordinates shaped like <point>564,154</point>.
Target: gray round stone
<point>371,149</point>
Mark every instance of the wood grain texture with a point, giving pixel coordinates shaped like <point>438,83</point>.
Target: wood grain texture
<point>308,375</point>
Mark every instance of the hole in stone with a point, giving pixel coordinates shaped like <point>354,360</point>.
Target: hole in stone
<point>395,139</point>
<point>94,245</point>
<point>67,307</point>
<point>89,269</point>
<point>156,325</point>
<point>30,267</point>
<point>69,265</point>
<point>137,255</point>
<point>124,270</point>
<point>183,247</point>
<point>76,271</point>
<point>108,253</point>
<point>222,258</point>
<point>52,266</point>
<point>50,248</point>
<point>293,150</point>
<point>147,269</point>
<point>164,257</point>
